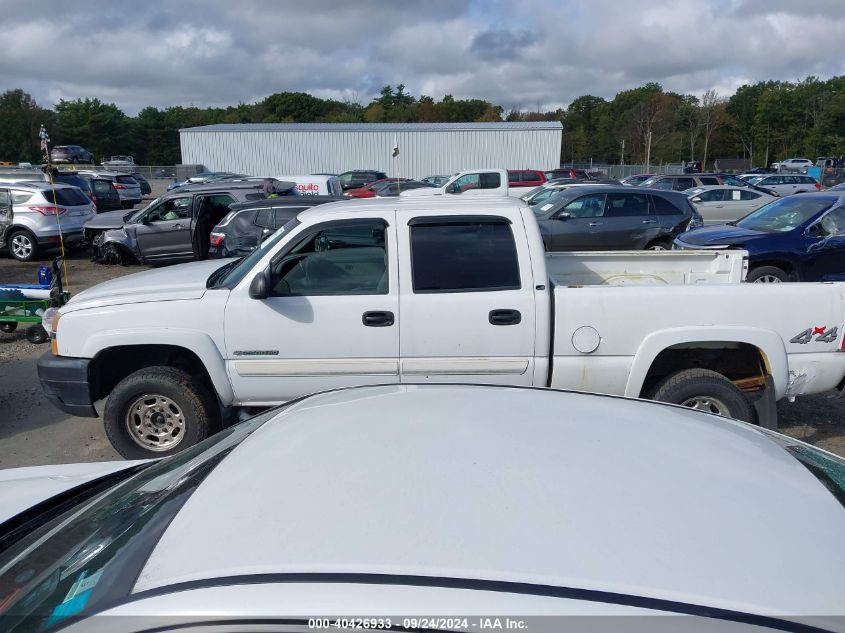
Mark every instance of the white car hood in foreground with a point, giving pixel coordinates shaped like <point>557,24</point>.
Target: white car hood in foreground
<point>22,488</point>
<point>184,281</point>
<point>519,485</point>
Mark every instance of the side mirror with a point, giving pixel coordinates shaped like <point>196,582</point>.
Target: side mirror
<point>260,287</point>
<point>696,199</point>
<point>563,215</point>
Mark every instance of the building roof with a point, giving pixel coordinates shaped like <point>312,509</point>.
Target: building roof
<point>376,127</point>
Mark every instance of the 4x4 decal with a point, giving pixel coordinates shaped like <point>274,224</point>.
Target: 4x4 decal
<point>822,334</point>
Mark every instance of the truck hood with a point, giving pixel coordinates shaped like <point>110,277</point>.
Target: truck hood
<point>110,219</point>
<point>184,281</point>
<point>23,488</point>
<point>721,234</point>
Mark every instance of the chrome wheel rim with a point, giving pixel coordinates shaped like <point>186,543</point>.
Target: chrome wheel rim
<point>767,279</point>
<point>21,246</point>
<point>657,247</point>
<point>708,404</point>
<point>155,422</point>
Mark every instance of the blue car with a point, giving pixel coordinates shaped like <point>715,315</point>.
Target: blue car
<point>796,238</point>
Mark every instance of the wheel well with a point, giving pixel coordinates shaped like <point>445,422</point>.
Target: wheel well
<point>785,266</point>
<point>114,364</point>
<point>743,363</point>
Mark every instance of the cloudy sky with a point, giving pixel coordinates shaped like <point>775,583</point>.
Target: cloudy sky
<point>517,53</point>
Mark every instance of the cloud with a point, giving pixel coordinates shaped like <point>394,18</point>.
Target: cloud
<point>529,54</point>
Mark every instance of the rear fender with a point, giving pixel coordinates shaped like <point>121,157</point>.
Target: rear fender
<point>769,343</point>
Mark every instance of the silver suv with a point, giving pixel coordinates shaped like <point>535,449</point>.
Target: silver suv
<point>31,214</point>
<point>127,187</point>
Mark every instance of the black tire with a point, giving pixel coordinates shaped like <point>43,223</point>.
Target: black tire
<point>659,245</point>
<point>22,245</point>
<point>194,406</point>
<point>36,334</point>
<point>8,327</point>
<point>707,391</point>
<point>766,274</point>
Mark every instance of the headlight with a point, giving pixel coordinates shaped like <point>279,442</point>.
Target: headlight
<point>696,222</point>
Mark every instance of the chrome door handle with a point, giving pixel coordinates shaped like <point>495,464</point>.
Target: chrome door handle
<point>649,221</point>
<point>177,227</point>
<point>594,224</point>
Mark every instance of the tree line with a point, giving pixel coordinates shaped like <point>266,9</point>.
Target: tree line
<point>763,122</point>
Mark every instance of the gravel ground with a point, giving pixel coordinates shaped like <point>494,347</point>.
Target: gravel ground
<point>33,432</point>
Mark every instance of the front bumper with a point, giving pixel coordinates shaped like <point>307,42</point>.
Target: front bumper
<point>66,383</point>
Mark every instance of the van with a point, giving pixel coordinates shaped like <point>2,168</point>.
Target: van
<point>315,185</point>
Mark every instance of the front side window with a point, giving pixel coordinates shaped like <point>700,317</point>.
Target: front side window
<point>746,195</point>
<point>591,206</point>
<point>172,209</point>
<point>343,258</point>
<point>711,195</point>
<point>475,181</point>
<point>463,256</point>
<point>709,181</point>
<point>682,184</point>
<point>832,224</point>
<point>666,184</point>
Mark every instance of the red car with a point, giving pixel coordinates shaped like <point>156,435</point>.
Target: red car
<point>567,172</point>
<point>525,178</point>
<point>370,190</point>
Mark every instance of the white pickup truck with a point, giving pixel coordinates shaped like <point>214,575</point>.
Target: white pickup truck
<point>432,289</point>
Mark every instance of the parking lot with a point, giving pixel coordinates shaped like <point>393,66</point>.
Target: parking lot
<point>33,432</point>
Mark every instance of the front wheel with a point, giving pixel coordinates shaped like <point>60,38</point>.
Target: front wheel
<point>158,411</point>
<point>705,390</point>
<point>36,334</point>
<point>8,327</point>
<point>659,245</point>
<point>767,275</point>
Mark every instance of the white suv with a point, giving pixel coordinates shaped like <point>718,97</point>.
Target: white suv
<point>795,164</point>
<point>31,215</point>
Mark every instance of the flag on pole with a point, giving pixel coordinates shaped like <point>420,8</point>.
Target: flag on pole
<point>42,134</point>
<point>395,146</point>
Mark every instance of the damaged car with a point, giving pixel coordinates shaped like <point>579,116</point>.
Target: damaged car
<point>173,228</point>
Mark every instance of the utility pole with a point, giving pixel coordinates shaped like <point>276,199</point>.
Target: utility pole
<point>648,152</point>
<point>622,159</point>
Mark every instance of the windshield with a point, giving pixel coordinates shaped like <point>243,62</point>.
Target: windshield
<point>91,555</point>
<point>785,214</point>
<point>231,275</point>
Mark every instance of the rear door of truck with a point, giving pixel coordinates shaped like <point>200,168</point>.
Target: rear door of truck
<point>467,300</point>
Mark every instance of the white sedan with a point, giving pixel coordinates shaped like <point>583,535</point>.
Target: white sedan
<point>719,204</point>
<point>400,502</point>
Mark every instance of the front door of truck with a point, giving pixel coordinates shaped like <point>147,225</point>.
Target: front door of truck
<point>331,320</point>
<point>467,301</point>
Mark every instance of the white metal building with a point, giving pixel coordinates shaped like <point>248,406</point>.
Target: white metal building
<point>266,149</point>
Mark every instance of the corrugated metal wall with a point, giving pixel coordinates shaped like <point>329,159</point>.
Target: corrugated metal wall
<point>423,152</point>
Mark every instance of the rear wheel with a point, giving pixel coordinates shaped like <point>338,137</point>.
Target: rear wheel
<point>8,327</point>
<point>767,275</point>
<point>705,390</point>
<point>22,246</point>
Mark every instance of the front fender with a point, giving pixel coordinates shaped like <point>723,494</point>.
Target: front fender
<point>124,238</point>
<point>769,343</point>
<point>197,342</point>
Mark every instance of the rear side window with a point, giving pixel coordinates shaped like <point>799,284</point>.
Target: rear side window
<point>126,180</point>
<point>21,197</point>
<point>625,204</point>
<point>463,256</point>
<point>101,186</point>
<point>69,197</point>
<point>682,184</point>
<point>662,206</point>
<point>747,195</point>
<point>264,218</point>
<point>709,181</point>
